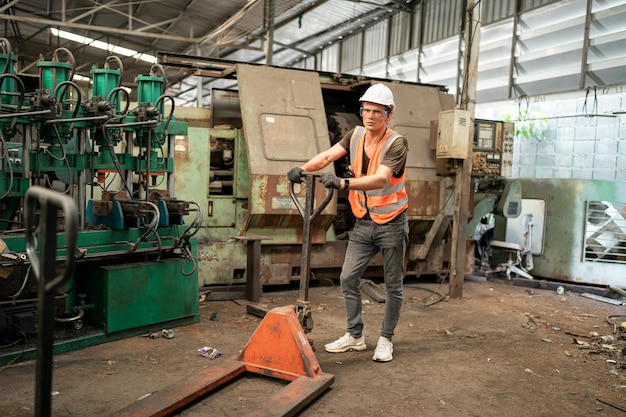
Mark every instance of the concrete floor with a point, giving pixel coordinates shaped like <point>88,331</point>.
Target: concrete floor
<point>500,350</point>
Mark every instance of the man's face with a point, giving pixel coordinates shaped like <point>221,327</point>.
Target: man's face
<point>375,116</point>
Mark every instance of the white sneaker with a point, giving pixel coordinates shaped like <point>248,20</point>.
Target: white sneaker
<point>384,350</point>
<point>345,343</point>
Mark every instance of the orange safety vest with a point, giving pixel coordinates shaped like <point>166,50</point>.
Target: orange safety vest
<point>383,204</point>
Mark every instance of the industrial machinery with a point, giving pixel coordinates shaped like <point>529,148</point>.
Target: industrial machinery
<point>135,255</point>
<point>578,227</point>
<point>561,229</point>
<point>264,121</point>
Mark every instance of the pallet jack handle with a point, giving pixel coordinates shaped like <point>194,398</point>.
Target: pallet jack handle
<point>308,214</point>
<point>48,202</point>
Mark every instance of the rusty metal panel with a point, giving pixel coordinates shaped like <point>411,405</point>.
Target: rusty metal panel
<point>279,262</point>
<point>224,263</point>
<point>284,125</point>
<point>416,107</point>
<point>283,117</point>
<point>424,199</point>
<point>221,263</point>
<point>269,195</point>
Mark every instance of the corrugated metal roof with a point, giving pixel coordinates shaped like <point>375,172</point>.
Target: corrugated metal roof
<point>231,29</point>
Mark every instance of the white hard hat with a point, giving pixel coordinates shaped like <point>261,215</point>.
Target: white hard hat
<point>379,94</point>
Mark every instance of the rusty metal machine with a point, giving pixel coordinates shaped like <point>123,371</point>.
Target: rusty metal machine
<point>135,252</point>
<point>265,120</point>
<point>271,120</point>
<point>578,227</point>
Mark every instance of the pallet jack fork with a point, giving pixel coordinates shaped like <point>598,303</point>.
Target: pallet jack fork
<point>278,349</point>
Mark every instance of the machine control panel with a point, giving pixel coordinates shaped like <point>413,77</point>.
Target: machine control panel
<point>492,152</point>
<point>491,148</point>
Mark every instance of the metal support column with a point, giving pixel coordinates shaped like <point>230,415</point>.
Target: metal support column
<point>462,185</point>
<point>254,288</point>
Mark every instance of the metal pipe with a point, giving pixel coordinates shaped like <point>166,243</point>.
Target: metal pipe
<point>147,154</point>
<point>129,173</point>
<point>82,179</point>
<point>80,314</point>
<point>28,113</point>
<point>146,123</point>
<point>170,157</point>
<point>77,119</point>
<point>269,46</point>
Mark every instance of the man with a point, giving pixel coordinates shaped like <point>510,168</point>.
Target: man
<point>379,201</point>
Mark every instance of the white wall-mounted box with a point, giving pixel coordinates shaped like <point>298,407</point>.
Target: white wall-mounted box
<point>453,134</point>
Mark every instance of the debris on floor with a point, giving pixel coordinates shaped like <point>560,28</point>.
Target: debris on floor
<point>209,352</point>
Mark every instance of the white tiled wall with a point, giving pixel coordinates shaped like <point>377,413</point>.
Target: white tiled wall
<point>585,134</point>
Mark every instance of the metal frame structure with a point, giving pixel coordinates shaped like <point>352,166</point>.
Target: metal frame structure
<point>524,49</point>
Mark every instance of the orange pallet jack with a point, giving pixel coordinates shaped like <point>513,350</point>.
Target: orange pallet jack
<point>278,349</point>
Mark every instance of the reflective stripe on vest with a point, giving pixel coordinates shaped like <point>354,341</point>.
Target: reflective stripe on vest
<point>386,203</point>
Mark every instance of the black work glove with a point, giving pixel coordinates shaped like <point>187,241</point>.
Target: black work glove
<point>330,180</point>
<point>294,174</point>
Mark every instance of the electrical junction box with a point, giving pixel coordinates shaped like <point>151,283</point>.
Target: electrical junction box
<point>453,140</point>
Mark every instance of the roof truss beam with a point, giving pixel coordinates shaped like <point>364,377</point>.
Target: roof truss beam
<point>145,31</point>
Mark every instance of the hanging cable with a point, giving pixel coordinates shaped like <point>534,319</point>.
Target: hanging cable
<point>6,47</point>
<point>77,103</point>
<point>171,113</point>
<point>111,149</point>
<point>594,110</point>
<point>116,92</point>
<point>72,60</point>
<point>5,155</point>
<point>19,292</point>
<point>195,224</point>
<point>189,258</point>
<point>20,94</point>
<point>151,228</point>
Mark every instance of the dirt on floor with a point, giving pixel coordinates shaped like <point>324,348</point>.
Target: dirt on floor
<point>500,350</point>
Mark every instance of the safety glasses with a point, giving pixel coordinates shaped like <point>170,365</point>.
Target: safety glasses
<point>374,112</point>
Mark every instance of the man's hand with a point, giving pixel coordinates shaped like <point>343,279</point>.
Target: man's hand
<point>330,180</point>
<point>294,174</point>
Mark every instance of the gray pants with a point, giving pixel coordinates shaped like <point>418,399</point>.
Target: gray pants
<point>366,239</point>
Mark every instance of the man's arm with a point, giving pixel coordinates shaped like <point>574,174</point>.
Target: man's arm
<point>323,159</point>
<point>372,182</point>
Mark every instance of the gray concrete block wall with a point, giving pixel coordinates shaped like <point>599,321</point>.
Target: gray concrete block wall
<point>584,136</point>
<point>582,161</point>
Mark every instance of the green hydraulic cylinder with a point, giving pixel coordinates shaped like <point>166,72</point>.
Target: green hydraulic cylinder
<point>104,81</point>
<point>53,73</point>
<point>8,85</point>
<point>149,89</point>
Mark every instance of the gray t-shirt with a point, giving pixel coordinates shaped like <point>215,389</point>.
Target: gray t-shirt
<point>395,158</point>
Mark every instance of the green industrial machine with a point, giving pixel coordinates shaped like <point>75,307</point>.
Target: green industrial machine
<point>136,265</point>
<point>578,231</point>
